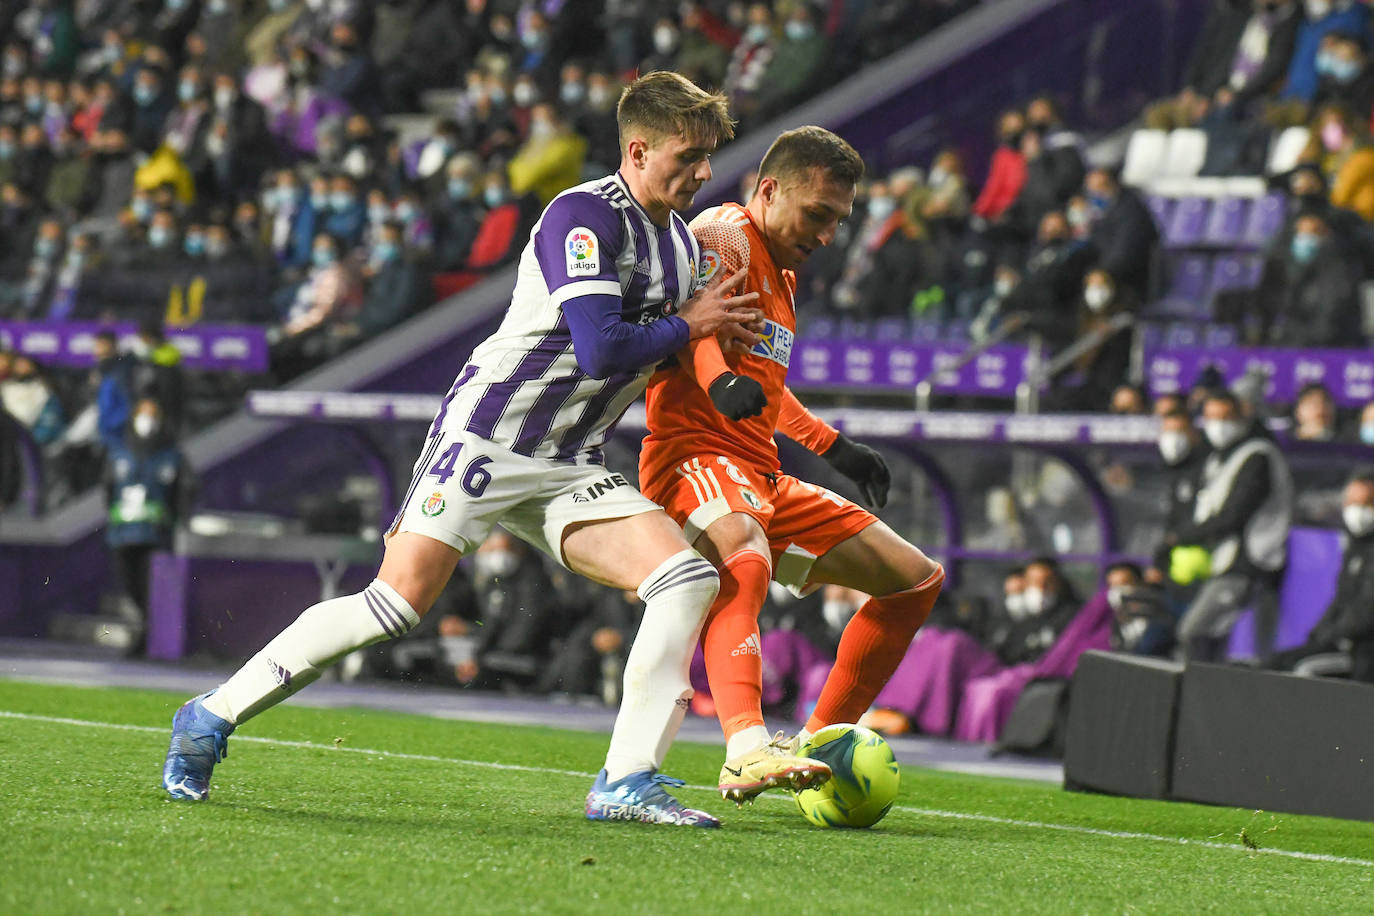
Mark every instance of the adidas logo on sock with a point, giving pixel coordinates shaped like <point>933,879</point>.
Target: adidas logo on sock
<point>750,646</point>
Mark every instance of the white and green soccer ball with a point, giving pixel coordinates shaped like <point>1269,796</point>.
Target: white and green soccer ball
<point>864,778</point>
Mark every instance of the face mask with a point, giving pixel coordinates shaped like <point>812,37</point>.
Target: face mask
<point>1003,288</point>
<point>1318,9</point>
<point>322,257</point>
<point>1304,247</point>
<point>837,612</point>
<point>1333,136</point>
<point>572,92</point>
<point>145,425</point>
<point>194,244</point>
<point>1359,520</point>
<point>175,5</point>
<point>144,94</point>
<point>1344,71</point>
<point>159,237</point>
<point>1078,217</point>
<point>141,209</point>
<point>1367,433</point>
<point>186,91</point>
<point>33,103</point>
<point>14,66</point>
<point>495,564</point>
<point>377,213</point>
<point>285,197</point>
<point>493,196</point>
<point>406,212</point>
<point>532,40</point>
<point>277,6</point>
<point>757,33</point>
<point>523,94</point>
<point>1221,433</point>
<point>383,252</point>
<point>880,208</point>
<point>1324,62</point>
<point>218,7</point>
<point>799,31</point>
<point>45,248</point>
<point>938,176</point>
<point>6,149</point>
<point>224,98</point>
<point>1114,597</point>
<point>319,201</point>
<point>496,95</point>
<point>541,129</point>
<point>459,188</point>
<point>1097,297</point>
<point>1037,600</point>
<point>665,39</point>
<point>216,248</point>
<point>598,96</point>
<point>1174,445</point>
<point>1015,603</point>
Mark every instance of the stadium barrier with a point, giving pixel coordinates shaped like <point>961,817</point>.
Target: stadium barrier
<point>1221,735</point>
<point>239,348</point>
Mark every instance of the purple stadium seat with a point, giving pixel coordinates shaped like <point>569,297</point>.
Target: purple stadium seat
<point>925,329</point>
<point>821,328</point>
<point>1182,334</point>
<point>1152,335</point>
<point>1190,278</point>
<point>855,328</point>
<point>1220,335</point>
<point>955,329</point>
<point>1226,223</point>
<point>1264,221</point>
<point>891,329</point>
<point>1234,271</point>
<point>1187,223</point>
<point>1314,563</point>
<point>1161,208</point>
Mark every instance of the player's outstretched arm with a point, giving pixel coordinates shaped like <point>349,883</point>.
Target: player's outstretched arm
<point>854,460</point>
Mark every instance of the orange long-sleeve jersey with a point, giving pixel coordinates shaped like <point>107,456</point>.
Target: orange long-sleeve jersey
<point>682,420</point>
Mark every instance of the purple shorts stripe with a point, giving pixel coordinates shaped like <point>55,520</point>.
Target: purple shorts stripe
<point>420,467</point>
<point>468,372</point>
<point>388,628</point>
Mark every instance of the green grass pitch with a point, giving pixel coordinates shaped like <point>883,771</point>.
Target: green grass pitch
<point>370,812</point>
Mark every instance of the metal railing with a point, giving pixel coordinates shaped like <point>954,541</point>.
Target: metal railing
<point>1014,323</point>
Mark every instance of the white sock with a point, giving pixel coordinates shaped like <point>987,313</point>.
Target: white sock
<point>749,739</point>
<point>323,634</point>
<point>677,596</point>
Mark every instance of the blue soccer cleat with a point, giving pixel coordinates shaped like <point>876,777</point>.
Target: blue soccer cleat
<point>199,741</point>
<point>641,797</point>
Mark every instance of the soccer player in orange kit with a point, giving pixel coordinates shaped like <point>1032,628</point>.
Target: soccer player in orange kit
<point>710,459</point>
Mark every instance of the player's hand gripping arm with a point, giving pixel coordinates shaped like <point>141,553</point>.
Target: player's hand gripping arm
<point>854,460</point>
<point>735,396</point>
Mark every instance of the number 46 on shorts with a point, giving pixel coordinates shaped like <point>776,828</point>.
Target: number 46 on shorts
<point>475,476</point>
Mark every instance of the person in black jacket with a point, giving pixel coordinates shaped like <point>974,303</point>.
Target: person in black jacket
<point>1310,291</point>
<point>1342,642</point>
<point>1242,515</point>
<point>1048,603</point>
<point>1124,234</point>
<point>1185,453</point>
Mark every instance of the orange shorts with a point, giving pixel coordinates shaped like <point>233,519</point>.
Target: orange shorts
<point>801,520</point>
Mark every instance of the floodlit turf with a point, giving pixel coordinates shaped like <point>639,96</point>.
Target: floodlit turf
<point>304,821</point>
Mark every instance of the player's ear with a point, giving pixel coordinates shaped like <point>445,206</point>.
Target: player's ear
<point>768,187</point>
<point>636,151</point>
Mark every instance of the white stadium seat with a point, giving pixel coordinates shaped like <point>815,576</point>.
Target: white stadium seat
<point>1144,157</point>
<point>1287,148</point>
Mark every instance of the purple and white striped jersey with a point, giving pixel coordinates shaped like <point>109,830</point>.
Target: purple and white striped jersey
<point>522,388</point>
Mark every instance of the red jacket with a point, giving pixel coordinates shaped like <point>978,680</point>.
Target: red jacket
<point>1006,175</point>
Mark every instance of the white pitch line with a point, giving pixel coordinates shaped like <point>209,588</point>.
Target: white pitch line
<point>924,812</point>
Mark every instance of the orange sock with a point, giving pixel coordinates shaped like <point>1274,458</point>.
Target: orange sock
<point>872,645</point>
<point>730,641</point>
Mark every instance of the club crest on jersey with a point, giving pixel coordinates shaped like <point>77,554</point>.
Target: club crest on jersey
<point>584,258</point>
<point>434,505</point>
<point>751,498</point>
<point>775,343</point>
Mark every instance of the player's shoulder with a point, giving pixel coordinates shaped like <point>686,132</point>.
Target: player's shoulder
<point>598,204</point>
<point>722,232</point>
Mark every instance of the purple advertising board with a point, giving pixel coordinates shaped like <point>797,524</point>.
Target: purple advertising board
<point>241,348</point>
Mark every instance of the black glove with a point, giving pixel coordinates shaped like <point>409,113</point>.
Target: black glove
<point>737,396</point>
<point>862,465</point>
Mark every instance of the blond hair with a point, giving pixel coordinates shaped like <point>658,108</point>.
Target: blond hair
<point>665,104</point>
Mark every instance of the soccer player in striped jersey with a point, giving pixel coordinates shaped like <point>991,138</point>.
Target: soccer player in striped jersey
<point>710,459</point>
<point>606,289</point>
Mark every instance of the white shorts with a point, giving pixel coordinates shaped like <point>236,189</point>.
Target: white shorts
<point>463,484</point>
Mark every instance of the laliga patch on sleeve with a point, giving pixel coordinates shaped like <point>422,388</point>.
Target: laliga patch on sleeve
<point>584,255</point>
<point>710,263</point>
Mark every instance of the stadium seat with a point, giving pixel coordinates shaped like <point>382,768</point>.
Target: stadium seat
<point>1264,221</point>
<point>1235,271</point>
<point>1314,564</point>
<point>1189,282</point>
<point>891,329</point>
<point>821,327</point>
<point>956,329</point>
<point>1185,153</point>
<point>1187,223</point>
<point>1161,208</point>
<point>1144,157</point>
<point>1226,222</point>
<point>1288,146</point>
<point>1182,334</point>
<point>1220,335</point>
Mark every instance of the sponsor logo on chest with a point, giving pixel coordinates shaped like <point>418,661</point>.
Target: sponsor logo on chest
<point>775,343</point>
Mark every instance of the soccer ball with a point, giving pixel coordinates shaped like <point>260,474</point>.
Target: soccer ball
<point>864,778</point>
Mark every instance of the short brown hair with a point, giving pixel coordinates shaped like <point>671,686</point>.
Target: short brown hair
<point>664,104</point>
<point>797,151</point>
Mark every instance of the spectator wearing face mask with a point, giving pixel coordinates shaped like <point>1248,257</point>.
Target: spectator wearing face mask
<point>1321,18</point>
<point>750,59</point>
<point>147,485</point>
<point>1104,366</point>
<point>1123,232</point>
<point>1314,414</point>
<point>1344,76</point>
<point>1342,642</point>
<point>704,45</point>
<point>78,265</point>
<point>550,160</point>
<point>1052,280</point>
<point>798,66</point>
<point>1363,432</point>
<point>349,72</point>
<point>28,397</point>
<point>330,294</point>
<point>395,287</point>
<point>34,159</point>
<point>1006,171</point>
<point>25,298</point>
<point>1184,452</point>
<point>1143,622</point>
<point>294,216</point>
<point>505,640</point>
<point>666,40</point>
<point>1242,514</point>
<point>236,144</point>
<point>143,113</point>
<point>347,214</point>
<point>1310,292</point>
<point>1048,602</point>
<point>1340,146</point>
